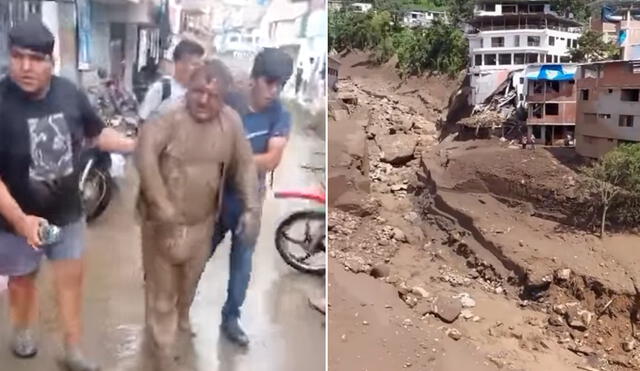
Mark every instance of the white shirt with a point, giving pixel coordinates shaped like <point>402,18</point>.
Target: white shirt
<point>152,105</point>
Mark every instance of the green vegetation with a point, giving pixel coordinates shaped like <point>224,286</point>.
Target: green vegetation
<point>439,48</point>
<point>614,178</point>
<point>579,9</point>
<point>592,48</point>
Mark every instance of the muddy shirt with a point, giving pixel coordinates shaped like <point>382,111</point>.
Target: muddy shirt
<point>40,144</point>
<point>183,164</point>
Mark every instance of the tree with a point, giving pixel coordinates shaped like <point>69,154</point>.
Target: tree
<point>616,172</point>
<point>593,48</point>
<point>578,9</point>
<point>460,11</point>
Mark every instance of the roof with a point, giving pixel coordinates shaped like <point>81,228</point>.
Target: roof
<point>553,17</point>
<point>629,3</point>
<point>551,71</point>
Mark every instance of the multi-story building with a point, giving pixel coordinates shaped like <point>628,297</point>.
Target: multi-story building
<point>507,35</point>
<point>619,20</point>
<point>421,17</point>
<point>551,101</point>
<point>608,106</point>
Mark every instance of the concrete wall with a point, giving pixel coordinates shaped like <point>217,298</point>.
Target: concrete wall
<point>598,117</point>
<point>67,37</point>
<point>566,115</point>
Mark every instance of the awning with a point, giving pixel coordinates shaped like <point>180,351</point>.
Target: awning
<point>554,72</point>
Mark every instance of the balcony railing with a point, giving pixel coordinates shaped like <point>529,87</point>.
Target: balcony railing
<point>474,30</point>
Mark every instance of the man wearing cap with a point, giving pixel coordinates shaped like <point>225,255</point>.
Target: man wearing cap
<point>45,122</point>
<point>267,124</point>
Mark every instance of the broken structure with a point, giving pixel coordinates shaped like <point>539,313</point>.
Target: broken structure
<point>608,106</point>
<point>551,102</point>
<point>619,20</point>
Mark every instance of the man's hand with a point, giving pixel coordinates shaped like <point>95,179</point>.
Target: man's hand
<point>111,140</point>
<point>29,228</point>
<point>249,227</point>
<point>167,214</point>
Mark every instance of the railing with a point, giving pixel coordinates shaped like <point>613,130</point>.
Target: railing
<point>523,27</point>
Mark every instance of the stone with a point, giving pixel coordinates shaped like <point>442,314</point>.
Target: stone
<point>628,346</point>
<point>454,334</point>
<point>423,308</point>
<point>447,309</point>
<point>578,319</point>
<point>556,320</point>
<point>420,292</point>
<point>499,290</point>
<point>397,149</point>
<point>466,314</point>
<point>399,235</point>
<point>560,309</point>
<point>380,271</point>
<point>354,265</point>
<point>563,274</point>
<point>466,300</point>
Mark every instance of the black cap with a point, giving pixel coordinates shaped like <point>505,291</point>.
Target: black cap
<point>32,35</point>
<point>274,64</point>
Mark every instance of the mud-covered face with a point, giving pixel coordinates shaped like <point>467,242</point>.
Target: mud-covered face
<point>265,91</point>
<point>30,70</point>
<point>204,99</point>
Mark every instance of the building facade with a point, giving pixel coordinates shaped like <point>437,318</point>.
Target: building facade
<point>421,18</point>
<point>608,106</point>
<point>551,102</point>
<point>619,20</point>
<point>508,35</point>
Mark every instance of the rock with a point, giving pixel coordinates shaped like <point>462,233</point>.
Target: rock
<point>628,346</point>
<point>365,323</point>
<point>466,314</point>
<point>354,265</point>
<point>447,309</point>
<point>556,320</point>
<point>581,349</point>
<point>499,290</point>
<point>454,334</point>
<point>560,309</point>
<point>397,149</point>
<point>563,274</point>
<point>578,319</point>
<point>399,235</point>
<point>380,271</point>
<point>423,308</point>
<point>356,203</point>
<point>466,300</point>
<point>420,292</point>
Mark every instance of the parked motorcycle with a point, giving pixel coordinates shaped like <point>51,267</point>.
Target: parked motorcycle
<point>311,254</point>
<point>96,182</point>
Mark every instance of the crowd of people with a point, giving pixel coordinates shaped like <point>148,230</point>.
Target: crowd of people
<point>203,151</point>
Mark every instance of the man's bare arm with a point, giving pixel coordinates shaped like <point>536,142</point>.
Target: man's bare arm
<point>152,140</point>
<point>25,225</point>
<point>270,160</point>
<point>110,140</point>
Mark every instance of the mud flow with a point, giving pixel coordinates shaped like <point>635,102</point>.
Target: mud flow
<point>470,251</point>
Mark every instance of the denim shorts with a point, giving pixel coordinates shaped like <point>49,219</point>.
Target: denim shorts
<point>17,258</point>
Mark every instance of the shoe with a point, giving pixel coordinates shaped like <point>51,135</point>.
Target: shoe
<point>23,344</point>
<point>75,361</point>
<point>232,330</point>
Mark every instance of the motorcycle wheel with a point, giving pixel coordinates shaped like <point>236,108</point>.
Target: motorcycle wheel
<point>96,193</point>
<point>283,240</point>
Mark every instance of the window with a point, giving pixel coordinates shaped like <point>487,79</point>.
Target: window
<point>565,59</point>
<point>518,58</point>
<point>551,109</point>
<point>537,86</point>
<point>490,59</point>
<point>536,110</point>
<point>568,43</point>
<point>508,9</point>
<point>481,42</point>
<point>584,94</point>
<point>532,58</point>
<point>555,59</point>
<point>574,43</point>
<point>489,7</point>
<point>504,59</point>
<point>604,116</point>
<point>553,86</point>
<point>589,72</point>
<point>625,121</point>
<point>478,60</point>
<point>497,42</point>
<point>630,95</point>
<point>516,41</point>
<point>536,8</point>
<point>522,80</point>
<point>590,118</point>
<point>552,41</point>
<point>533,40</point>
<point>549,58</point>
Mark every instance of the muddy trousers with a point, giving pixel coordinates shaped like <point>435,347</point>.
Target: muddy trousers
<point>174,258</point>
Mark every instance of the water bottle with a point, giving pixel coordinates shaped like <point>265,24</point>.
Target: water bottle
<point>49,234</point>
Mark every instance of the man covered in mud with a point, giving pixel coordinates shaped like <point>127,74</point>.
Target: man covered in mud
<point>266,124</point>
<point>45,123</point>
<point>184,158</point>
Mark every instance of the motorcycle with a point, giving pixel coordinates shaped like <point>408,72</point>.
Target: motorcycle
<point>312,245</point>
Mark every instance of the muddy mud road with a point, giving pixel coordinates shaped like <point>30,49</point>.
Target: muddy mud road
<point>286,333</point>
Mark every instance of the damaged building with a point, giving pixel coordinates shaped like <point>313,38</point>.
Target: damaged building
<point>551,102</point>
<point>619,21</point>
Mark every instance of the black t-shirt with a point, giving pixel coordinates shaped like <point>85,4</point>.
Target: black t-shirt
<point>40,144</point>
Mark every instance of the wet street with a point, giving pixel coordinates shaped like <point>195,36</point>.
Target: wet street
<point>285,332</point>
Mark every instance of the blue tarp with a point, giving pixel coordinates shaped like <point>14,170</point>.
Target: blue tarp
<point>554,72</point>
<point>622,37</point>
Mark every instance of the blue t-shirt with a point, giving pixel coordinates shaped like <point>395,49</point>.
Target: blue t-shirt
<point>260,127</point>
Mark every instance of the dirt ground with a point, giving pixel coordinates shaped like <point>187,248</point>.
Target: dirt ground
<point>474,255</point>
